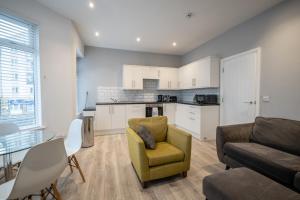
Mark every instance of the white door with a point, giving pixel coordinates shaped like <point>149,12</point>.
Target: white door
<point>240,75</point>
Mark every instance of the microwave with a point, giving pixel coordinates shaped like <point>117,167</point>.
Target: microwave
<point>206,99</point>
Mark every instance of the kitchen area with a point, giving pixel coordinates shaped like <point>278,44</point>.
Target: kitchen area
<point>187,95</point>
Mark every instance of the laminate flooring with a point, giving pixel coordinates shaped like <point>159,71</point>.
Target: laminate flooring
<point>110,176</point>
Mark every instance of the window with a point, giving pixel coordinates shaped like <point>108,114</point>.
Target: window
<point>19,72</point>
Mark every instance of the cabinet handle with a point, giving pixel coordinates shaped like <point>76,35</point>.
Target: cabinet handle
<point>170,84</point>
<point>192,113</point>
<point>192,118</point>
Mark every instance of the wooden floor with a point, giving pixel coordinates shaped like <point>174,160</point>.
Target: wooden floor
<point>109,174</point>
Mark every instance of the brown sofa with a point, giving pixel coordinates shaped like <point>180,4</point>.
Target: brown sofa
<point>270,146</point>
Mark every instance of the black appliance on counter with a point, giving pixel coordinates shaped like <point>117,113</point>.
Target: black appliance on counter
<point>166,98</point>
<point>155,109</point>
<point>206,99</point>
<point>173,99</point>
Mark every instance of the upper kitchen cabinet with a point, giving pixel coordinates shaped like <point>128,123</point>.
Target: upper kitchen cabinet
<point>132,77</point>
<point>203,73</point>
<point>168,78</point>
<point>150,72</point>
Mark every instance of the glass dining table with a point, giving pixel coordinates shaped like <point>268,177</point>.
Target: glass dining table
<point>14,143</point>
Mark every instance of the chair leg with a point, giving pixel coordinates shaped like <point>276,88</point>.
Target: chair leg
<point>56,192</point>
<point>78,167</point>
<point>43,197</point>
<point>227,167</point>
<point>70,164</point>
<point>184,174</point>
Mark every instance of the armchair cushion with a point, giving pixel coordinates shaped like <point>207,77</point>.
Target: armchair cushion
<point>147,137</point>
<point>164,153</point>
<point>157,126</point>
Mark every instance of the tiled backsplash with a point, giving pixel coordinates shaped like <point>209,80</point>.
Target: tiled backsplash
<point>149,93</point>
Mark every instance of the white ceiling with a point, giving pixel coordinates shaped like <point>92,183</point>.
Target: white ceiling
<point>157,22</point>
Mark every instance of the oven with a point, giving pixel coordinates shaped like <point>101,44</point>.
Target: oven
<point>153,110</point>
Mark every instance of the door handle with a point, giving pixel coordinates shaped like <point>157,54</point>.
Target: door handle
<point>250,102</point>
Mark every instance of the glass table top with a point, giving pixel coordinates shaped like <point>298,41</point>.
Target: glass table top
<point>22,140</point>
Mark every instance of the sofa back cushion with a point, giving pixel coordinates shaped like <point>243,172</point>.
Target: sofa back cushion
<point>282,134</point>
<point>158,126</point>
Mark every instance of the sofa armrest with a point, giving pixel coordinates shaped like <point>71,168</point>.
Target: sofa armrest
<point>181,140</point>
<point>137,152</point>
<point>297,181</point>
<point>232,133</point>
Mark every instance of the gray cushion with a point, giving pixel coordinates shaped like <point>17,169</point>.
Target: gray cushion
<point>282,134</point>
<point>274,163</point>
<point>244,184</point>
<point>147,137</point>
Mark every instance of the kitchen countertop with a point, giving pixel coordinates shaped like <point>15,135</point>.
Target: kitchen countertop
<point>154,102</point>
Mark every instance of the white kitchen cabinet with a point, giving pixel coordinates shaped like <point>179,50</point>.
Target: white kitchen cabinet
<point>150,72</point>
<point>169,110</point>
<point>110,117</point>
<point>132,77</point>
<point>102,117</point>
<point>200,121</point>
<point>135,111</point>
<point>203,73</point>
<point>118,116</point>
<point>168,78</point>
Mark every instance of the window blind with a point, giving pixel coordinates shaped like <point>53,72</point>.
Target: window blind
<point>19,72</point>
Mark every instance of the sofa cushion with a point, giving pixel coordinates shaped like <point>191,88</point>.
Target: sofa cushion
<point>158,126</point>
<point>282,134</point>
<point>147,137</point>
<point>274,163</point>
<point>164,153</point>
<point>245,184</point>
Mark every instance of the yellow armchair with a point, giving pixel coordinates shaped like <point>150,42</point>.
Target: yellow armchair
<point>171,156</point>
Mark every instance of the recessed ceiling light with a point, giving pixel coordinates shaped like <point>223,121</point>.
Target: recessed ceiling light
<point>174,44</point>
<point>91,4</point>
<point>97,34</point>
<point>138,39</point>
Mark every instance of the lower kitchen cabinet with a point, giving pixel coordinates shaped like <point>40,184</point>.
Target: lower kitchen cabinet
<point>103,118</point>
<point>135,111</point>
<point>200,121</point>
<point>169,110</point>
<point>110,117</point>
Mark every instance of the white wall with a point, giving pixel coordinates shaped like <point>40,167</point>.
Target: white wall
<point>277,32</point>
<point>103,67</point>
<point>59,44</point>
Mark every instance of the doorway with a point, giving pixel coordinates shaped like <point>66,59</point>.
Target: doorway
<point>240,87</point>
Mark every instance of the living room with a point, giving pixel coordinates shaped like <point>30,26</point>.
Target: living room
<point>149,99</point>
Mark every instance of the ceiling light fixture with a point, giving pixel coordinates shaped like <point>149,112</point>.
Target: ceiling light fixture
<point>97,34</point>
<point>138,39</point>
<point>91,4</point>
<point>174,44</point>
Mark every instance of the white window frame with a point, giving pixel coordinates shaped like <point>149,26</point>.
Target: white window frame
<point>36,66</point>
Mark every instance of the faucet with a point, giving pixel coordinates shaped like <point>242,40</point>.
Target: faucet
<point>114,100</point>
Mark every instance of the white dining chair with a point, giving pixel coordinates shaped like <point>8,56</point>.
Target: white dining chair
<point>73,144</point>
<point>38,172</point>
<point>8,128</point>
